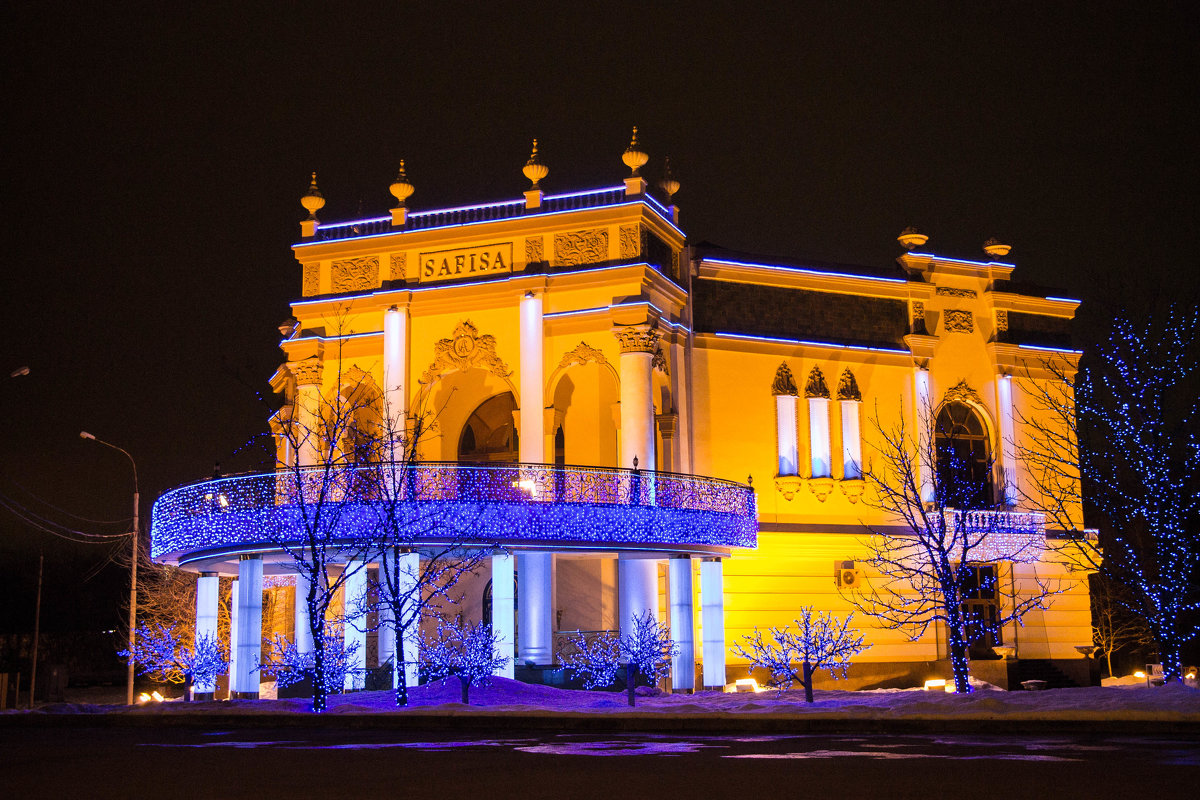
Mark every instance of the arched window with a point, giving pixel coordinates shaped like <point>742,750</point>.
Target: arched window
<point>489,433</point>
<point>964,458</point>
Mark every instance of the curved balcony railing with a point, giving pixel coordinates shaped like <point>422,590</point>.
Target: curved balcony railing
<point>537,504</point>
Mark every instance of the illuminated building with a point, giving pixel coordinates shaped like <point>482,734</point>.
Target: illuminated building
<point>580,332</point>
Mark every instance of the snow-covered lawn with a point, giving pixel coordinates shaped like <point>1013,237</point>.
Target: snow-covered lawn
<point>1131,703</point>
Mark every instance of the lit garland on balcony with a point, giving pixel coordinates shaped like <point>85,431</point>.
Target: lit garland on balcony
<point>535,504</point>
<point>1001,535</point>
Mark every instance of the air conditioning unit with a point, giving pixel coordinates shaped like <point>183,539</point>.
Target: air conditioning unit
<point>845,574</point>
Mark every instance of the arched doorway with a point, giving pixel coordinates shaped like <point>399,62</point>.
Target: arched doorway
<point>964,458</point>
<point>489,434</point>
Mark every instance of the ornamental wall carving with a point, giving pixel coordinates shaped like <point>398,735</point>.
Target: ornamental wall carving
<point>631,241</point>
<point>581,247</point>
<point>582,354</point>
<point>785,383</point>
<point>963,393</point>
<point>956,320</point>
<point>1002,319</point>
<point>356,274</point>
<point>659,361</point>
<point>947,291</point>
<point>918,315</point>
<point>816,386</point>
<point>399,266</point>
<point>312,279</point>
<point>636,338</point>
<point>848,387</point>
<point>465,349</point>
<point>535,250</point>
<point>306,372</point>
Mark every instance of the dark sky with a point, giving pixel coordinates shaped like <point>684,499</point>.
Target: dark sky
<point>155,155</point>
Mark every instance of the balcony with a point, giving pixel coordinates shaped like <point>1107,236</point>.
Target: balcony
<point>1001,535</point>
<point>513,505</point>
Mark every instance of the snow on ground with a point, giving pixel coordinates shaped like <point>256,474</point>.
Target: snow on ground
<point>441,698</point>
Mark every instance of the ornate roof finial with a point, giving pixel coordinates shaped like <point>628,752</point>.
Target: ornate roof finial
<point>534,169</point>
<point>668,183</point>
<point>634,157</point>
<point>910,237</point>
<point>401,189</point>
<point>314,201</point>
<point>994,247</point>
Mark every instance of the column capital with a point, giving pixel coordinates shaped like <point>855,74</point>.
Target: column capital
<point>307,372</point>
<point>637,338</point>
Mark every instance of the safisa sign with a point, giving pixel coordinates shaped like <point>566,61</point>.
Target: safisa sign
<point>467,262</point>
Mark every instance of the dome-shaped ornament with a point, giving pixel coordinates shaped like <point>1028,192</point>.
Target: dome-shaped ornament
<point>314,201</point>
<point>401,189</point>
<point>534,169</point>
<point>634,157</point>
<point>995,248</point>
<point>668,183</point>
<point>910,238</point>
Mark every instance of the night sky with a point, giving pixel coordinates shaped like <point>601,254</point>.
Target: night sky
<point>155,156</point>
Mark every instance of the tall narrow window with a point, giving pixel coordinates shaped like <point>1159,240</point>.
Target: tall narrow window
<point>964,458</point>
<point>818,423</point>
<point>785,391</point>
<point>850,398</point>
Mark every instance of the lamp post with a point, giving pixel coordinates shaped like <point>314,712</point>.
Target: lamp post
<point>132,563</point>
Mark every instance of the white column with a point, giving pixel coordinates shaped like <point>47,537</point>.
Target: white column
<point>306,413</point>
<point>712,622</point>
<point>395,367</point>
<point>637,399</point>
<point>503,578</point>
<point>924,422</point>
<point>1008,442</point>
<point>818,436</point>
<point>207,586</point>
<point>249,635</point>
<point>410,567</point>
<point>233,633</point>
<point>683,623</point>
<point>637,589</point>
<point>354,631</point>
<point>851,440</point>
<point>785,433</point>
<point>532,437</point>
<point>303,633</point>
<point>535,586</point>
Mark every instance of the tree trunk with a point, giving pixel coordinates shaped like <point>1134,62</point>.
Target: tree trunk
<point>807,682</point>
<point>401,668</point>
<point>317,629</point>
<point>466,686</point>
<point>1108,658</point>
<point>631,674</point>
<point>959,662</point>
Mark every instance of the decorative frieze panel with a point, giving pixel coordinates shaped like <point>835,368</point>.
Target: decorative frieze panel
<point>784,383</point>
<point>948,291</point>
<point>535,250</point>
<point>306,372</point>
<point>312,279</point>
<point>581,247</point>
<point>399,266</point>
<point>1002,319</point>
<point>356,274</point>
<point>956,320</point>
<point>465,349</point>
<point>918,316</point>
<point>631,241</point>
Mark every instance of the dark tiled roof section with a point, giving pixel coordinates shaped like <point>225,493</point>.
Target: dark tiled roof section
<point>1036,329</point>
<point>708,250</point>
<point>1029,289</point>
<point>726,307</point>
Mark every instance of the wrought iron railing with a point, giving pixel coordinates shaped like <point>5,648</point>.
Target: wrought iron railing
<point>506,501</point>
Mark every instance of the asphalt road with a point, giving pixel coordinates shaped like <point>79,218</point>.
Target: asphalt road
<point>330,763</point>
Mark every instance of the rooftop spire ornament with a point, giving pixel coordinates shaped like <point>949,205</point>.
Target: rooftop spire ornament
<point>401,189</point>
<point>634,157</point>
<point>668,183</point>
<point>314,201</point>
<point>910,237</point>
<point>534,169</point>
<point>995,248</point>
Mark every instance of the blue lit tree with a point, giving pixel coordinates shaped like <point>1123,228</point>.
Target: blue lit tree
<point>289,666</point>
<point>1132,411</point>
<point>820,641</point>
<point>919,572</point>
<point>646,653</point>
<point>162,652</point>
<point>463,650</point>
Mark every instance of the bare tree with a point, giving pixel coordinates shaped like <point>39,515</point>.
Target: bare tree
<point>820,641</point>
<point>952,531</point>
<point>1114,626</point>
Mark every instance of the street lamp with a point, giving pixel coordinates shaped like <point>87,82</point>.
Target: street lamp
<point>132,564</point>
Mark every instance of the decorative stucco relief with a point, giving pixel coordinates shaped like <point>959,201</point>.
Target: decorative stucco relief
<point>948,291</point>
<point>848,387</point>
<point>535,250</point>
<point>956,320</point>
<point>399,266</point>
<point>356,274</point>
<point>816,386</point>
<point>785,383</point>
<point>1002,319</point>
<point>306,372</point>
<point>465,349</point>
<point>637,338</point>
<point>659,361</point>
<point>963,393</point>
<point>312,279</point>
<point>631,241</point>
<point>581,247</point>
<point>582,354</point>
